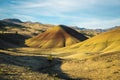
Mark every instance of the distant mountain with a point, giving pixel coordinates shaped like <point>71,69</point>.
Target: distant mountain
<point>78,28</point>
<point>56,37</point>
<point>88,32</point>
<point>113,28</point>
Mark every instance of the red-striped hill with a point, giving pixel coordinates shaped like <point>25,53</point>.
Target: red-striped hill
<point>56,37</point>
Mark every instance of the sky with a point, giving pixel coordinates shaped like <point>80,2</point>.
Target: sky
<point>92,14</point>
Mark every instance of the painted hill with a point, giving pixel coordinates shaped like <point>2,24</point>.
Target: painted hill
<point>58,36</point>
<point>103,43</point>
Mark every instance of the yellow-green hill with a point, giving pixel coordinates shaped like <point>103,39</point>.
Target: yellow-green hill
<point>56,37</point>
<point>103,43</point>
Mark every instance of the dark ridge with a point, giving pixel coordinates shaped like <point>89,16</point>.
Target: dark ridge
<point>4,24</point>
<point>74,33</point>
<point>13,20</point>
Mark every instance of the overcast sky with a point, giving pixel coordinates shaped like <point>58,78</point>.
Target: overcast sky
<point>83,13</point>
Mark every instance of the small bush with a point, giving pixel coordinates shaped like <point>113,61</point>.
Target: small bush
<point>1,72</point>
<point>109,60</point>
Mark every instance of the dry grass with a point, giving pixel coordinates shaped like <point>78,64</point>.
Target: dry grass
<point>23,67</point>
<point>12,72</point>
<point>102,43</point>
<point>104,67</point>
<point>92,59</point>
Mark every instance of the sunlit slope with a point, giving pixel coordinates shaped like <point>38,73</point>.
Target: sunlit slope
<point>58,36</point>
<point>100,67</point>
<point>105,42</point>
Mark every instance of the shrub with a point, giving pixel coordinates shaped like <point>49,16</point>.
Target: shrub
<point>109,60</point>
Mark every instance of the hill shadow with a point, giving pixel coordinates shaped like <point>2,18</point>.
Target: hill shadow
<point>74,33</point>
<point>38,64</point>
<point>4,24</point>
<point>12,40</point>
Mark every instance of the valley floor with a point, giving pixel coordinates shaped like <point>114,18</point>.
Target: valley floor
<point>20,64</point>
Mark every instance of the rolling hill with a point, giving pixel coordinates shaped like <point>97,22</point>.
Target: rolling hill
<point>29,29</point>
<point>34,28</point>
<point>103,43</point>
<point>80,59</point>
<point>58,36</point>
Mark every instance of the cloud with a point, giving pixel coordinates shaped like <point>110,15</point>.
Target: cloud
<point>54,5</point>
<point>24,17</point>
<point>52,8</point>
<point>97,23</point>
<point>62,7</point>
<point>84,13</point>
<point>63,4</point>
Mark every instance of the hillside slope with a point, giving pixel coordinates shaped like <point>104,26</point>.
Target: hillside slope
<point>103,43</point>
<point>24,28</point>
<point>4,44</point>
<point>100,67</point>
<point>11,40</point>
<point>58,36</point>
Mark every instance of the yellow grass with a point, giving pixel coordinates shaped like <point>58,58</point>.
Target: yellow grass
<point>105,42</point>
<point>104,67</point>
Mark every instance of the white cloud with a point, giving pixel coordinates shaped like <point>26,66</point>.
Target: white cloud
<point>62,10</point>
<point>55,5</point>
<point>52,8</point>
<point>63,4</point>
<point>97,23</point>
<point>24,17</point>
